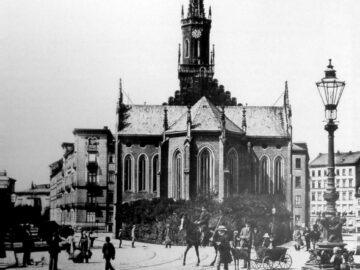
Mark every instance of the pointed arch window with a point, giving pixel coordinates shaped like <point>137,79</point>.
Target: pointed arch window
<point>205,172</point>
<point>233,185</point>
<point>264,175</point>
<point>155,169</point>
<point>177,177</point>
<point>142,173</point>
<point>187,48</point>
<point>278,176</point>
<point>127,173</point>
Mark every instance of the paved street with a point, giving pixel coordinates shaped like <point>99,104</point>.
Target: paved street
<point>149,256</point>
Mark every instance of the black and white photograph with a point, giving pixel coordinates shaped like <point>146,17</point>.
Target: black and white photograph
<point>179,134</point>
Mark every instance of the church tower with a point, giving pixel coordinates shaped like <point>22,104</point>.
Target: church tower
<point>196,61</point>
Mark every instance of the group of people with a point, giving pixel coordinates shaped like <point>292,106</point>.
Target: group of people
<point>306,237</point>
<point>247,239</point>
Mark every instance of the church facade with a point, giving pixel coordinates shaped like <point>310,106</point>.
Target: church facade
<point>202,142</point>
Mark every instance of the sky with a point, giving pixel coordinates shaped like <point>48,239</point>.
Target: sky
<point>60,64</point>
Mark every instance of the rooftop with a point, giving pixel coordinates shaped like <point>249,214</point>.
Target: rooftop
<point>341,158</point>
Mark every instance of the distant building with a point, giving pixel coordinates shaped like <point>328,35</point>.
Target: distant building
<point>300,172</point>
<point>37,196</point>
<point>7,188</point>
<point>81,182</point>
<point>347,181</point>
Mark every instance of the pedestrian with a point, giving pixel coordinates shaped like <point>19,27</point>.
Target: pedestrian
<point>297,238</point>
<point>315,235</point>
<point>84,247</point>
<point>167,236</point>
<point>108,251</point>
<point>337,258</point>
<point>246,240</point>
<point>92,237</point>
<point>235,239</point>
<point>257,239</point>
<point>54,250</point>
<point>28,244</point>
<point>307,236</point>
<point>71,245</point>
<point>133,236</point>
<point>222,242</point>
<point>120,236</point>
<point>266,240</point>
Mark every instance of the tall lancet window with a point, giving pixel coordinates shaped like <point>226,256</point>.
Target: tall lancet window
<point>205,172</point>
<point>127,173</point>
<point>264,175</point>
<point>198,49</point>
<point>278,176</point>
<point>142,173</point>
<point>233,185</point>
<point>155,169</point>
<point>187,48</point>
<point>177,175</point>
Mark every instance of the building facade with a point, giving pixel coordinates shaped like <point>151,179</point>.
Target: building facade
<point>301,187</point>
<point>202,142</point>
<point>347,181</point>
<point>82,181</point>
<point>37,196</point>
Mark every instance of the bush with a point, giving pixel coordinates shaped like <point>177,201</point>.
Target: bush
<point>152,216</point>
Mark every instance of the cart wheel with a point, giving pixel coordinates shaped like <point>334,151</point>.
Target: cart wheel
<point>267,263</point>
<point>285,261</point>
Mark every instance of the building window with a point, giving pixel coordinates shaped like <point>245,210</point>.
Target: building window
<point>92,177</point>
<point>127,173</point>
<point>278,176</point>
<point>298,163</point>
<point>233,185</point>
<point>313,198</point>
<point>177,167</point>
<point>319,184</point>
<point>142,173</point>
<point>187,48</point>
<point>111,159</point>
<point>313,184</point>
<point>343,172</point>
<point>325,172</point>
<point>350,183</point>
<point>337,183</point>
<point>206,172</point>
<point>350,171</point>
<point>337,172</point>
<point>319,196</point>
<point>350,195</point>
<point>198,48</point>
<point>298,201</point>
<point>264,182</point>
<point>344,196</point>
<point>90,217</point>
<point>313,173</point>
<point>319,172</point>
<point>297,182</point>
<point>155,169</point>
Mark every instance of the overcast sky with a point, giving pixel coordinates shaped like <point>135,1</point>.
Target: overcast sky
<point>60,63</point>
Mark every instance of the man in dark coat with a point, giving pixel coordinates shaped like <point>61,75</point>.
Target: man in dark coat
<point>222,242</point>
<point>167,236</point>
<point>108,251</point>
<point>246,237</point>
<point>203,222</point>
<point>54,249</point>
<point>27,246</point>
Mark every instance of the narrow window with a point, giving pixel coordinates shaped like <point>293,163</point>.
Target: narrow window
<point>298,163</point>
<point>142,173</point>
<point>127,174</point>
<point>297,182</point>
<point>187,48</point>
<point>177,175</point>
<point>155,169</point>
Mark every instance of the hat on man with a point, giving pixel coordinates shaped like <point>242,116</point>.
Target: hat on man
<point>222,228</point>
<point>266,235</point>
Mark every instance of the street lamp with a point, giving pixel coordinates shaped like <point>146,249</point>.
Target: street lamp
<point>330,90</point>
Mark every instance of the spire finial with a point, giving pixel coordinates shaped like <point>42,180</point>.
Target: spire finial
<point>188,114</point>
<point>182,11</point>
<point>243,124</point>
<point>330,65</point>
<point>166,124</point>
<point>210,13</point>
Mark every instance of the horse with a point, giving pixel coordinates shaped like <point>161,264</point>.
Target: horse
<point>240,254</point>
<point>193,236</point>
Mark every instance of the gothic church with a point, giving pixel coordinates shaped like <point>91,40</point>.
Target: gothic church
<point>201,142</point>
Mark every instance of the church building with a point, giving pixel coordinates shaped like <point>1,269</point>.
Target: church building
<point>202,142</point>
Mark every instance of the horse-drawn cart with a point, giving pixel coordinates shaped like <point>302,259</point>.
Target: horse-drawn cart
<point>275,258</point>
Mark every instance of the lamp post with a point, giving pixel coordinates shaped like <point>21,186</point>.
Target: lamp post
<point>273,212</point>
<point>330,90</point>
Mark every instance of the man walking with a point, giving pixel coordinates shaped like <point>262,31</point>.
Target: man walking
<point>167,236</point>
<point>133,236</point>
<point>108,251</point>
<point>246,240</point>
<point>27,246</point>
<point>54,249</point>
<point>120,236</point>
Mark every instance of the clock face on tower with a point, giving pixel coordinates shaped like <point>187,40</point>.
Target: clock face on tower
<point>196,33</point>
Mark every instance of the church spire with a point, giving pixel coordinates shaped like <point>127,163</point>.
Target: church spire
<point>196,9</point>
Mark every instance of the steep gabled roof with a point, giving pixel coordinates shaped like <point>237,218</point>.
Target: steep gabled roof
<point>262,121</point>
<point>204,117</point>
<point>341,159</point>
<point>149,119</point>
